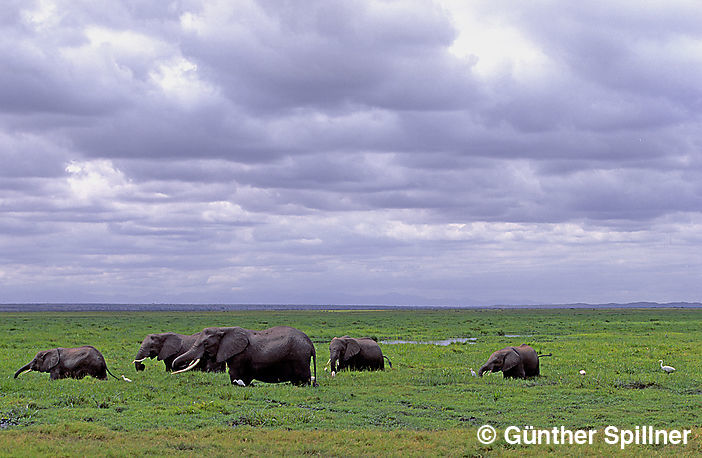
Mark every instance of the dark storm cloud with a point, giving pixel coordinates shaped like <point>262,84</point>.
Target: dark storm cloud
<point>36,77</point>
<point>292,88</point>
<point>334,57</point>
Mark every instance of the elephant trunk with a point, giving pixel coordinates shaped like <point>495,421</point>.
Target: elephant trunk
<point>25,368</point>
<point>335,355</point>
<point>195,353</point>
<point>142,354</point>
<point>140,357</point>
<point>191,367</point>
<point>482,370</point>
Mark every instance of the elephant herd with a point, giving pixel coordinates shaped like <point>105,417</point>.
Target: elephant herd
<point>277,354</point>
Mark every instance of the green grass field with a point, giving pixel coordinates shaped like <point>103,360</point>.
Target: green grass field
<point>427,404</point>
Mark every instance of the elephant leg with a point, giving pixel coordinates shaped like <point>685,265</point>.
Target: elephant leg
<point>533,373</point>
<point>515,372</point>
<point>298,380</point>
<point>237,378</point>
<point>300,377</point>
<point>301,373</point>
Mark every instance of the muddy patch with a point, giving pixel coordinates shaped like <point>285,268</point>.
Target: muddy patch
<point>637,385</point>
<point>19,416</point>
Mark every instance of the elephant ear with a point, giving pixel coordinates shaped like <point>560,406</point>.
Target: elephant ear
<point>170,347</point>
<point>233,342</point>
<point>51,359</point>
<point>352,349</point>
<point>511,360</point>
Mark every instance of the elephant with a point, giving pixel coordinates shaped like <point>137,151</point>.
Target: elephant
<point>356,354</point>
<point>277,354</point>
<point>517,362</point>
<point>167,347</point>
<point>69,362</point>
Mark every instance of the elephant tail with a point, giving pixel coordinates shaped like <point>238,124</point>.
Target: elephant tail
<point>389,362</point>
<point>116,378</point>
<point>314,363</point>
<point>540,356</point>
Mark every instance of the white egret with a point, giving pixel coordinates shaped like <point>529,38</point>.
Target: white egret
<point>668,369</point>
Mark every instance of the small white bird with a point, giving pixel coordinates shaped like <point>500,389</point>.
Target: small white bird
<point>582,372</point>
<point>472,372</point>
<point>668,369</point>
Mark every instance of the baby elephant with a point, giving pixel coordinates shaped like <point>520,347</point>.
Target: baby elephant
<point>355,354</point>
<point>69,362</point>
<point>518,362</point>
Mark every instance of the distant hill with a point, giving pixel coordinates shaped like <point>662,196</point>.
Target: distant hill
<point>85,307</point>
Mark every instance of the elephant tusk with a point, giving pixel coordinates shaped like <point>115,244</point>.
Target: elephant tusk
<point>328,362</point>
<point>126,379</point>
<point>139,360</point>
<point>23,372</point>
<point>192,365</point>
<point>333,374</point>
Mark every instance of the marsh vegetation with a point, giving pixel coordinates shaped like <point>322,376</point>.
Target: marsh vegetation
<point>428,397</point>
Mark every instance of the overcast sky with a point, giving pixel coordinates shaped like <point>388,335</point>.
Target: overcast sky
<point>354,152</point>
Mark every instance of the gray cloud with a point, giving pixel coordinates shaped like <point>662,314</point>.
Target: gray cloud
<point>268,152</point>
